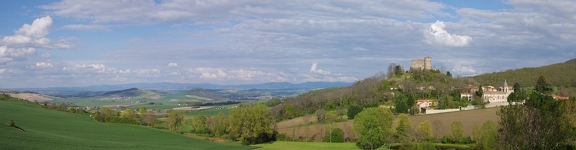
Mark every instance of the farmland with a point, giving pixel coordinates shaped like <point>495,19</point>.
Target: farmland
<point>50,129</point>
<point>302,128</point>
<point>286,145</point>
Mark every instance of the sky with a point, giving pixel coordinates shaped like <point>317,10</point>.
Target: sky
<point>55,43</point>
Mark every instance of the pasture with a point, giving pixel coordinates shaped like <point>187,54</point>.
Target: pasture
<point>51,129</point>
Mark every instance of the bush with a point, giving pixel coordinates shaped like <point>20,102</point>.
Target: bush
<point>282,137</point>
<point>337,136</point>
<point>353,111</point>
<point>426,146</point>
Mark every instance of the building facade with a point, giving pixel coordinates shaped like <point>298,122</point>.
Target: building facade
<point>491,94</point>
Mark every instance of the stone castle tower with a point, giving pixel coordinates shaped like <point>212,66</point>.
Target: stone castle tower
<point>422,64</point>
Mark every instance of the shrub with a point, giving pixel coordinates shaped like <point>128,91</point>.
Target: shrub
<point>337,136</point>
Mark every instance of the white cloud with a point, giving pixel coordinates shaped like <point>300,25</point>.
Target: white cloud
<point>314,69</point>
<point>87,27</point>
<point>146,71</point>
<point>2,70</point>
<point>463,69</point>
<point>11,52</point>
<point>436,34</point>
<point>46,55</point>
<point>172,64</point>
<point>99,68</point>
<point>44,65</point>
<point>124,71</point>
<point>34,35</point>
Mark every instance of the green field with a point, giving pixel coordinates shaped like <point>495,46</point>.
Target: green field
<point>50,129</point>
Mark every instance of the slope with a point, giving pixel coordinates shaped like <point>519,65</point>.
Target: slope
<point>50,129</point>
<point>202,93</point>
<point>561,74</point>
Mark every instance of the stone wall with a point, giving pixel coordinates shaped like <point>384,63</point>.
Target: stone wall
<point>422,64</point>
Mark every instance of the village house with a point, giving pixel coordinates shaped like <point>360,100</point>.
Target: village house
<point>491,93</point>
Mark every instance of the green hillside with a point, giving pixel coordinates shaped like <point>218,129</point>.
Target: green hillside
<point>50,129</point>
<point>132,92</point>
<point>561,74</point>
<point>202,93</point>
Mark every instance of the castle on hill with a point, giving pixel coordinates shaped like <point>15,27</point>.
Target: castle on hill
<point>422,64</point>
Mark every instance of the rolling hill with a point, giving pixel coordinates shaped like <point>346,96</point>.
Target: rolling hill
<point>560,74</point>
<point>51,129</point>
<point>133,92</point>
<point>202,93</point>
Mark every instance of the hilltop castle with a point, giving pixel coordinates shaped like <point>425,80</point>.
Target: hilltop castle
<point>422,64</point>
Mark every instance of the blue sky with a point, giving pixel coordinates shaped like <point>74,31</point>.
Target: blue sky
<point>84,42</point>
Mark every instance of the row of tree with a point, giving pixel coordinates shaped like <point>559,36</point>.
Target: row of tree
<point>126,116</point>
<point>248,124</point>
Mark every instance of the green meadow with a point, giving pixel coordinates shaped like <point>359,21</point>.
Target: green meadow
<point>51,129</point>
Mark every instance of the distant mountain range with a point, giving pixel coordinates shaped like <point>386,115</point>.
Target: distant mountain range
<point>166,86</point>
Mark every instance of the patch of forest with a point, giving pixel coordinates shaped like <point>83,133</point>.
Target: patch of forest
<point>558,75</point>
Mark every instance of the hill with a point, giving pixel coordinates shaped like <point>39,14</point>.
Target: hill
<point>132,92</point>
<point>50,129</point>
<point>560,74</point>
<point>202,93</point>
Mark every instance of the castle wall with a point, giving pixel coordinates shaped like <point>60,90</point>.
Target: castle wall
<point>422,64</point>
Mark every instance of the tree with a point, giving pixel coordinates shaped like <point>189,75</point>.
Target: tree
<point>63,106</point>
<point>335,135</point>
<point>542,86</point>
<point>448,74</point>
<point>480,92</point>
<point>398,70</point>
<point>512,97</point>
<point>128,114</point>
<point>392,70</point>
<point>150,119</point>
<point>143,112</point>
<point>456,132</point>
<point>517,87</point>
<point>320,114</point>
<point>477,133</point>
<point>404,126</point>
<point>288,111</point>
<point>425,130</point>
<point>401,105</point>
<point>252,124</point>
<point>200,124</point>
<point>273,102</point>
<point>374,125</point>
<point>220,125</point>
<point>489,135</point>
<point>541,123</point>
<point>174,120</point>
<point>353,110</point>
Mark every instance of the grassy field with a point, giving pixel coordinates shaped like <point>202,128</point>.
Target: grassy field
<point>50,129</point>
<point>296,127</point>
<point>285,145</point>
